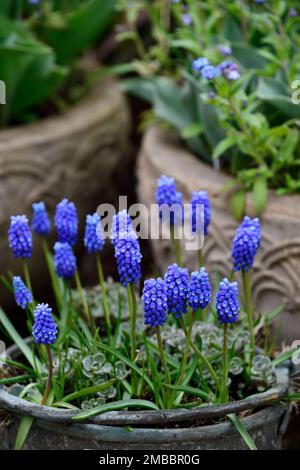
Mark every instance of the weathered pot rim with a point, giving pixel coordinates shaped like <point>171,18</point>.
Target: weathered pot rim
<point>16,405</point>
<point>215,181</point>
<point>83,114</point>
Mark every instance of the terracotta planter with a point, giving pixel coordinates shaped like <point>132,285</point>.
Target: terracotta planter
<point>72,155</point>
<point>277,267</point>
<point>54,428</point>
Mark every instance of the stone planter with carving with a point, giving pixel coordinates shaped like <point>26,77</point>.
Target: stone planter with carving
<point>277,268</point>
<point>74,155</point>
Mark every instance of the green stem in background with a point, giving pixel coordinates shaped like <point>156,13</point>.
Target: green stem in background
<point>163,361</point>
<point>176,246</point>
<point>166,13</point>
<point>224,394</point>
<point>249,310</point>
<point>27,275</point>
<point>104,296</point>
<point>49,380</point>
<point>84,302</point>
<point>132,312</point>
<point>187,348</point>
<point>200,258</point>
<point>205,361</point>
<point>54,279</point>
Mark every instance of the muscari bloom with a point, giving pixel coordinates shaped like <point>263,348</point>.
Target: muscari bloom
<point>44,329</point>
<point>64,260</point>
<point>210,72</point>
<point>167,197</point>
<point>293,12</point>
<point>121,224</point>
<point>227,303</point>
<point>66,222</point>
<point>229,70</point>
<point>93,236</point>
<point>128,256</point>
<point>199,199</point>
<point>187,19</point>
<point>155,302</point>
<point>245,244</point>
<point>177,282</point>
<point>199,292</point>
<point>40,221</point>
<point>23,296</point>
<point>20,237</point>
<point>199,63</point>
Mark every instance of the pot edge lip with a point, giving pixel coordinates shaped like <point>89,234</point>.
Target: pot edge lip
<point>15,404</point>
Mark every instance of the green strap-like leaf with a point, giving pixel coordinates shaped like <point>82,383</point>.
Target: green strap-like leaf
<point>243,431</point>
<point>117,405</point>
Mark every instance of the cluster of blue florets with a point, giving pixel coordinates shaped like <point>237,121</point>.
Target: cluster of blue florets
<point>128,256</point>
<point>44,329</point>
<point>155,302</point>
<point>64,260</point>
<point>23,296</point>
<point>121,225</point>
<point>41,223</point>
<point>20,238</point>
<point>93,236</point>
<point>200,212</point>
<point>227,69</point>
<point>245,244</point>
<point>177,282</point>
<point>227,303</point>
<point>199,292</point>
<point>66,222</point>
<point>167,197</point>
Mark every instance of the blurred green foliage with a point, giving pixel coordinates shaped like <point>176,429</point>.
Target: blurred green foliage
<point>249,126</point>
<point>39,45</point>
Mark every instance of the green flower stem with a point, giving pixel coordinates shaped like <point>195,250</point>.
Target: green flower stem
<point>224,394</point>
<point>132,312</point>
<point>164,363</point>
<point>54,280</point>
<point>203,359</point>
<point>187,348</point>
<point>49,380</point>
<point>27,275</point>
<point>176,246</point>
<point>166,13</point>
<point>200,258</point>
<point>84,302</point>
<point>249,310</point>
<point>104,296</point>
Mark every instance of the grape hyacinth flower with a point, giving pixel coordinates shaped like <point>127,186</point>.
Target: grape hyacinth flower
<point>199,63</point>
<point>64,260</point>
<point>41,224</point>
<point>44,328</point>
<point>177,283</point>
<point>198,199</point>
<point>168,197</point>
<point>23,296</point>
<point>246,244</point>
<point>66,222</point>
<point>93,236</point>
<point>121,224</point>
<point>128,256</point>
<point>20,237</point>
<point>45,332</point>
<point>199,292</point>
<point>187,19</point>
<point>227,303</point>
<point>155,302</point>
<point>293,12</point>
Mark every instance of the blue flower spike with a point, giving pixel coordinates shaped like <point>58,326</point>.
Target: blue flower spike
<point>200,199</point>
<point>227,302</point>
<point>199,292</point>
<point>93,236</point>
<point>64,260</point>
<point>177,283</point>
<point>66,222</point>
<point>128,256</point>
<point>20,237</point>
<point>41,223</point>
<point>23,296</point>
<point>155,302</point>
<point>44,327</point>
<point>245,244</point>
